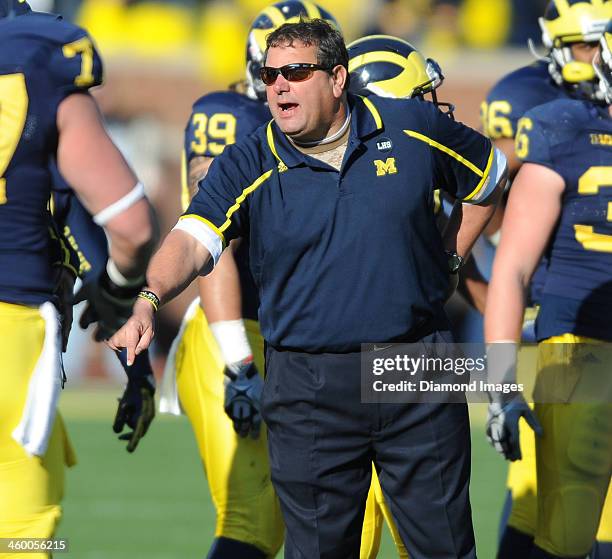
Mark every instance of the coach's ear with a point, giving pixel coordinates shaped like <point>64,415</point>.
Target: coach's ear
<point>339,76</point>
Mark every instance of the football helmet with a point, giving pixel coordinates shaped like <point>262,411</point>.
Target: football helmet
<point>603,64</point>
<point>13,8</point>
<point>573,21</point>
<point>391,67</point>
<point>269,19</point>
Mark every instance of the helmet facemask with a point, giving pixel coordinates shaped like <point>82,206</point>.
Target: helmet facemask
<point>603,65</point>
<point>435,73</point>
<point>255,55</point>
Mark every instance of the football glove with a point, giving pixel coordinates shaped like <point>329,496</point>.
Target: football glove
<point>506,407</point>
<point>108,305</point>
<point>65,263</point>
<point>137,404</point>
<point>63,292</point>
<point>503,426</point>
<point>243,388</point>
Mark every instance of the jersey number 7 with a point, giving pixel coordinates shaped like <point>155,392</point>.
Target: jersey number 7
<point>13,111</point>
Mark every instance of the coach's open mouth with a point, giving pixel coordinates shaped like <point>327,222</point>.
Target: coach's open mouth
<point>287,108</point>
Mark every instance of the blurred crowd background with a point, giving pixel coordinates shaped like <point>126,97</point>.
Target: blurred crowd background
<point>216,28</point>
<point>160,56</point>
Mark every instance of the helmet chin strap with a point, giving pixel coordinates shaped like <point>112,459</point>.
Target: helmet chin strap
<point>533,50</point>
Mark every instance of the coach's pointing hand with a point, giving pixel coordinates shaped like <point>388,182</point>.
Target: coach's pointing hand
<point>136,334</point>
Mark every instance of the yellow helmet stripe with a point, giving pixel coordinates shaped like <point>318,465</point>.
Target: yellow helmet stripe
<point>312,11</point>
<point>259,36</point>
<point>276,16</point>
<point>380,56</point>
<point>400,87</point>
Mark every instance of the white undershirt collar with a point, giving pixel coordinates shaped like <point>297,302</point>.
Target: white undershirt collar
<point>333,137</point>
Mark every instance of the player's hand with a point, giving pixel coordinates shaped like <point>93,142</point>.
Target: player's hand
<point>507,404</point>
<point>136,408</point>
<point>243,388</point>
<point>503,426</point>
<point>137,333</point>
<point>108,305</point>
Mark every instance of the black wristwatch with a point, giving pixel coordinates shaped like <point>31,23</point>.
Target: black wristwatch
<point>455,262</point>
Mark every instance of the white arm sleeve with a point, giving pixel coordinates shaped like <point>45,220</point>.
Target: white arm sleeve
<point>203,234</point>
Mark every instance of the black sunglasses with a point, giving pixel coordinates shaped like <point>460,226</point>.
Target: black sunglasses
<point>296,72</point>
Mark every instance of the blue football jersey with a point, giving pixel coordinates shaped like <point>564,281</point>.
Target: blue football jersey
<point>574,138</point>
<point>43,59</point>
<point>220,119</point>
<point>512,96</point>
<point>217,120</point>
<point>509,99</point>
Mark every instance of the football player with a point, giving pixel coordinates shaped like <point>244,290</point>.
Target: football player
<point>570,31</point>
<point>46,68</point>
<point>558,204</point>
<point>217,358</point>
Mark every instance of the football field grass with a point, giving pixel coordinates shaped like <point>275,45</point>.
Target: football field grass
<point>155,503</point>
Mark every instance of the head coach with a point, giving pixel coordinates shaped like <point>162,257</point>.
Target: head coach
<point>336,195</point>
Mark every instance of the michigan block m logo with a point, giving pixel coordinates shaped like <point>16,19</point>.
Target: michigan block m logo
<point>386,167</point>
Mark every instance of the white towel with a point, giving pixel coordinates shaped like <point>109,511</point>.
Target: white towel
<point>168,399</point>
<point>36,423</point>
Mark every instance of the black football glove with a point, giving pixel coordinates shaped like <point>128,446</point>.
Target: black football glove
<point>63,293</point>
<point>243,388</point>
<point>108,305</point>
<point>137,404</point>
